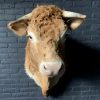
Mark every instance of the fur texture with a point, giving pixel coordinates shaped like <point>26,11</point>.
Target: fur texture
<point>45,26</point>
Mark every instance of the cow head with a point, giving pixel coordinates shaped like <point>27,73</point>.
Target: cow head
<point>45,26</point>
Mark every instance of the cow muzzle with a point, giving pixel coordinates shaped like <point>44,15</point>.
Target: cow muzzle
<point>51,68</point>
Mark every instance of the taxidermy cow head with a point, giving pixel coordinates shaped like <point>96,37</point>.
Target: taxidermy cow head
<point>45,26</point>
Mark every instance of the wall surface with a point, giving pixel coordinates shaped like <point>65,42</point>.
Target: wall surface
<point>82,79</point>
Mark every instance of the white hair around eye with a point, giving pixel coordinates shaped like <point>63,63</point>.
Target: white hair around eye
<point>32,37</point>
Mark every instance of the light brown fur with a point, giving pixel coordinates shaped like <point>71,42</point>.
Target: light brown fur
<point>31,66</point>
<point>48,26</point>
<point>46,21</point>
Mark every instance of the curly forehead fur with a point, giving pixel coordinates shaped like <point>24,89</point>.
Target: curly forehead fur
<point>47,22</point>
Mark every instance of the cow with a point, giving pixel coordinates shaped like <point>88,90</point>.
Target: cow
<point>46,26</point>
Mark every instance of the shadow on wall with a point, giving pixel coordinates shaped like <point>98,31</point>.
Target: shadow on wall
<point>83,62</point>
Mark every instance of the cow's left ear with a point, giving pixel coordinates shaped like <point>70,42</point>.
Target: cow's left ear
<point>74,20</point>
<point>20,26</point>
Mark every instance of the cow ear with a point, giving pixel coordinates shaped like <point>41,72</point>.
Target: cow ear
<point>20,25</point>
<point>74,23</point>
<point>73,20</point>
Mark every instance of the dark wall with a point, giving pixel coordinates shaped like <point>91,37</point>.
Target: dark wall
<point>82,79</point>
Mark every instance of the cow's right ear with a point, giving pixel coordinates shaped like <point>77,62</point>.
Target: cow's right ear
<point>20,26</point>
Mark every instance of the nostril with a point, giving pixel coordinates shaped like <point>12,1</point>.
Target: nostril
<point>46,70</point>
<point>44,67</point>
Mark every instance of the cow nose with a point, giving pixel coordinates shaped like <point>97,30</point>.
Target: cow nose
<point>50,68</point>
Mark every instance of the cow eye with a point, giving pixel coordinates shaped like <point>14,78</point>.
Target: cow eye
<point>30,37</point>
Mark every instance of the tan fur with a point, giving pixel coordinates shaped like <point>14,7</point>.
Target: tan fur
<point>48,26</point>
<point>47,23</point>
<point>31,67</point>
